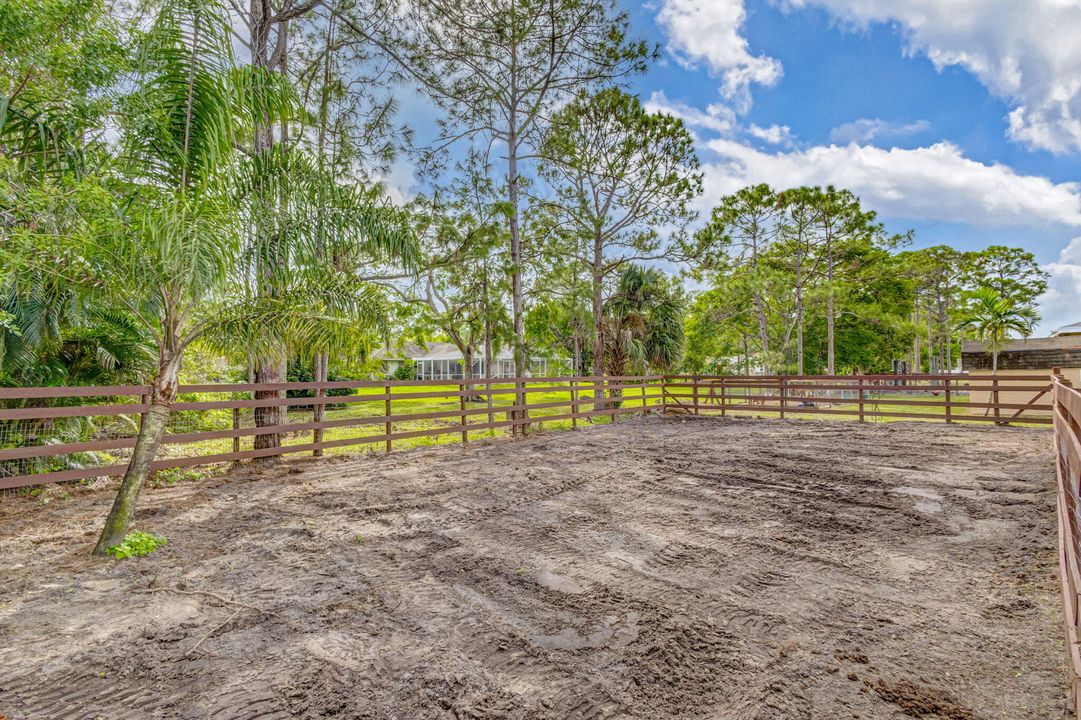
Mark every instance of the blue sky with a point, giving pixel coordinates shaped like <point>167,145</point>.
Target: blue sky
<point>954,118</point>
<point>959,119</point>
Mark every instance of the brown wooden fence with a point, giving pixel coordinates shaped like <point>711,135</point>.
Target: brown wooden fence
<point>1067,420</point>
<point>999,399</point>
<point>55,434</point>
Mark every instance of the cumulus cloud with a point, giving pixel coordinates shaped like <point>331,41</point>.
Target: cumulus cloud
<point>929,183</point>
<point>774,134</point>
<point>1025,52</point>
<point>708,33</point>
<point>1059,305</point>
<point>866,130</point>
<point>716,117</point>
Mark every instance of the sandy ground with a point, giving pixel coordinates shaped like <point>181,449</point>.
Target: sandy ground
<point>659,568</point>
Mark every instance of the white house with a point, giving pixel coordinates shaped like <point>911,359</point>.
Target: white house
<point>443,361</point>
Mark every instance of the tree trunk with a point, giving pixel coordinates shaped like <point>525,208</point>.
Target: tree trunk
<point>763,327</point>
<point>799,331</point>
<point>916,354</point>
<point>269,370</point>
<point>598,322</point>
<point>151,430</point>
<point>577,371</point>
<point>831,321</point>
<point>518,318</point>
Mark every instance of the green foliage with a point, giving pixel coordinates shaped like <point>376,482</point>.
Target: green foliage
<point>643,323</point>
<point>993,318</point>
<point>406,371</point>
<point>173,476</point>
<point>136,544</point>
<point>800,276</point>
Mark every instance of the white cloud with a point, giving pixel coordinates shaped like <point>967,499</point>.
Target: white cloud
<point>1059,305</point>
<point>716,117</point>
<point>866,130</point>
<point>708,32</point>
<point>399,182</point>
<point>774,134</point>
<point>1024,51</point>
<point>929,183</point>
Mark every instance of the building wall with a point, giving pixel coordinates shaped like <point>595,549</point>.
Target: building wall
<point>1019,396</point>
<point>1034,360</point>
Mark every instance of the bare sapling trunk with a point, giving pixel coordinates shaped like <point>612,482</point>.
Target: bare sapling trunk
<point>163,392</point>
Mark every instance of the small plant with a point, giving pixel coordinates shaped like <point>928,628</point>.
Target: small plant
<point>171,476</point>
<point>136,544</point>
<point>358,539</point>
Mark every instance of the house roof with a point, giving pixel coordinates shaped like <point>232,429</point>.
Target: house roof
<point>429,351</point>
<point>398,352</point>
<point>434,351</point>
<point>1058,342</point>
<point>1065,330</point>
<point>448,351</point>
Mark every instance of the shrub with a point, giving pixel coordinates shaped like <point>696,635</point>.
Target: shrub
<point>405,371</point>
<point>136,544</point>
<point>302,372</point>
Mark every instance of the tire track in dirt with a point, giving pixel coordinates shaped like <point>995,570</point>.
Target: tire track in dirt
<point>662,568</point>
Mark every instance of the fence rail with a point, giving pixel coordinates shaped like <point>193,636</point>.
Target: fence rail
<point>1067,421</point>
<point>51,434</point>
<point>1000,399</point>
<point>55,434</point>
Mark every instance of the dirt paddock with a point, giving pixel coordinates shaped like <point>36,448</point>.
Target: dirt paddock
<point>658,568</point>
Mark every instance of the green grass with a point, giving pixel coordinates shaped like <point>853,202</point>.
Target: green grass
<point>540,394</point>
<point>501,401</point>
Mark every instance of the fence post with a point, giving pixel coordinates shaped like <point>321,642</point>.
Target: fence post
<point>488,392</point>
<point>724,394</point>
<point>318,413</point>
<point>461,406</point>
<point>949,400</point>
<point>696,393</point>
<point>994,396</point>
<point>863,418</point>
<point>386,411</point>
<point>664,394</point>
<point>643,396</point>
<point>236,426</point>
<point>782,386</point>
<point>574,404</point>
<point>525,408</point>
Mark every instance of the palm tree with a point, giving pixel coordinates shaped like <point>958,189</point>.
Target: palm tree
<point>173,249</point>
<point>643,323</point>
<point>992,318</point>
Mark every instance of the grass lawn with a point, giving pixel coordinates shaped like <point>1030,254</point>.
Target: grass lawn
<point>404,403</point>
